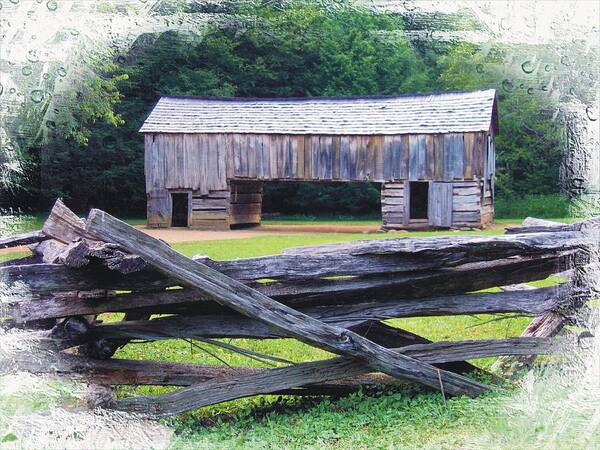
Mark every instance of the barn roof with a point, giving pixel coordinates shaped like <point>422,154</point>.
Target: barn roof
<point>407,114</point>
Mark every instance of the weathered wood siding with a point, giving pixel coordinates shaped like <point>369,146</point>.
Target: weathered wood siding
<point>206,164</point>
<point>186,161</point>
<point>356,158</point>
<point>393,204</point>
<point>466,204</point>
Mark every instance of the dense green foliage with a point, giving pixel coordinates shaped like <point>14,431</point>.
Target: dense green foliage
<point>94,157</point>
<point>528,146</point>
<point>550,206</point>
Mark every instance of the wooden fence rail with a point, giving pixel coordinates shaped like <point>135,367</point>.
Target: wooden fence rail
<point>333,297</point>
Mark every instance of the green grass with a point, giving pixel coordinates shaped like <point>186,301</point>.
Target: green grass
<point>540,206</point>
<point>12,255</point>
<point>405,419</point>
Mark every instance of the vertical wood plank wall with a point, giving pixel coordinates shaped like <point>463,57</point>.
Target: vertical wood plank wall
<point>209,164</point>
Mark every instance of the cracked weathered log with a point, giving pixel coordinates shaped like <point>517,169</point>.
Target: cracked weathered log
<point>84,303</point>
<point>65,226</point>
<point>190,301</point>
<point>80,254</point>
<point>465,278</point>
<point>47,250</point>
<point>480,248</point>
<point>40,279</point>
<point>136,372</point>
<point>45,279</point>
<point>228,325</point>
<point>535,222</point>
<point>17,240</point>
<point>268,381</point>
<point>391,256</point>
<point>255,305</point>
<point>544,226</point>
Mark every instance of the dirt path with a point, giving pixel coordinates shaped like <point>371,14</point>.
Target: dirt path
<point>173,235</point>
<point>176,235</point>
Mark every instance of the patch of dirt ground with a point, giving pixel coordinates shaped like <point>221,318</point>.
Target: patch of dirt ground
<point>173,235</point>
<point>176,235</point>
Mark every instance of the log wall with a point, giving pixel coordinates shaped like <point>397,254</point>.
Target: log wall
<point>211,210</point>
<point>393,205</point>
<point>465,208</point>
<point>210,164</point>
<point>245,202</point>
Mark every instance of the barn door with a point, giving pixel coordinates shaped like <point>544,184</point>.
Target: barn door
<point>440,204</point>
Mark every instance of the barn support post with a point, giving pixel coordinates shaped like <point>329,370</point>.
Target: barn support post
<point>245,202</point>
<point>393,196</point>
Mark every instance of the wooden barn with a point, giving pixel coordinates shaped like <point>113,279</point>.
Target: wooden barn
<point>206,159</point>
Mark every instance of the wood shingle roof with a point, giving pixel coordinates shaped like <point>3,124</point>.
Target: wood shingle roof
<point>447,112</point>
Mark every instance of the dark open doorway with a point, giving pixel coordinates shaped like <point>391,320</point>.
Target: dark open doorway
<point>180,209</point>
<point>419,199</point>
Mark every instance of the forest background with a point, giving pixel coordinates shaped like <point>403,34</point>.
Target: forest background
<point>92,155</point>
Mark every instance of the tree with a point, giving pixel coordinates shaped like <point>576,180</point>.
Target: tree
<point>59,162</point>
<point>93,154</point>
<point>529,144</point>
<point>296,50</point>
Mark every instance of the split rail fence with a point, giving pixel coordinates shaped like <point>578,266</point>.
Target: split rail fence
<point>334,297</point>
